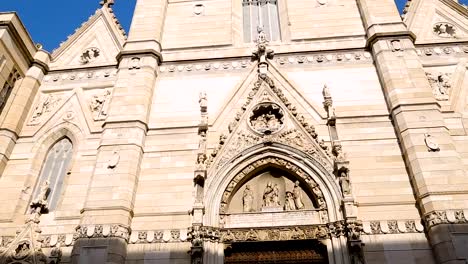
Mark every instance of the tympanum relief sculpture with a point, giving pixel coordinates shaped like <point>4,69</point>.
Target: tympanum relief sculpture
<point>271,192</point>
<point>266,118</point>
<point>440,83</point>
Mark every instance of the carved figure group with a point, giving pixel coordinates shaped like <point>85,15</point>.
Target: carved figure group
<point>440,84</point>
<point>271,195</point>
<point>266,122</point>
<point>96,105</point>
<point>89,54</point>
<point>44,107</point>
<point>445,30</point>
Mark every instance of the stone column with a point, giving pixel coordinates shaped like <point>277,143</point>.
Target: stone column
<point>435,167</point>
<point>22,98</point>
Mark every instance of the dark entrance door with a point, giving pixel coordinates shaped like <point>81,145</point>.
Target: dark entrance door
<point>304,251</point>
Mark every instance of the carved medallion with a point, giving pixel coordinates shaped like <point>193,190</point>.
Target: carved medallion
<point>266,118</point>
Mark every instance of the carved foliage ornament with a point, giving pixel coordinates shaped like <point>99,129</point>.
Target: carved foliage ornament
<point>279,162</point>
<point>275,234</point>
<point>446,217</point>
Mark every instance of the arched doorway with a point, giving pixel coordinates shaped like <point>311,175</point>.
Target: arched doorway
<point>273,208</point>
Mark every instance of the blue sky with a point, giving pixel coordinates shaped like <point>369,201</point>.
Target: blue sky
<point>50,21</point>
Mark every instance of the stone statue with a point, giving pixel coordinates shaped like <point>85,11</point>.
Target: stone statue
<point>203,101</point>
<point>247,199</point>
<point>43,193</point>
<point>268,194</point>
<point>275,198</point>
<point>344,183</point>
<point>289,204</point>
<point>201,162</point>
<point>202,142</point>
<point>297,193</point>
<point>34,215</point>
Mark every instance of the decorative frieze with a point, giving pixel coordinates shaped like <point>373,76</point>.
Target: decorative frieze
<point>446,217</point>
<point>73,76</point>
<point>199,67</point>
<point>441,50</point>
<point>327,58</point>
<point>159,236</point>
<point>275,234</point>
<point>99,231</point>
<point>392,227</point>
<point>282,60</point>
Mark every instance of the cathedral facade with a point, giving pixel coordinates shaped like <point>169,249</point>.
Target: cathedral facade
<point>238,131</point>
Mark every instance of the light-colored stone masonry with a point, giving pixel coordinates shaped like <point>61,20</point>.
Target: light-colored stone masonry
<point>146,186</point>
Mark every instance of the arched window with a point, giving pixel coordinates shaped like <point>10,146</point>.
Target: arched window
<point>8,88</point>
<point>54,170</point>
<point>261,14</point>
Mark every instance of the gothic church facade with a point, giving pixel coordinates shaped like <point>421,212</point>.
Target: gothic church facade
<point>238,131</point>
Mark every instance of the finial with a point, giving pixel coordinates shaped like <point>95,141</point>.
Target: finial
<point>107,3</point>
<point>261,54</point>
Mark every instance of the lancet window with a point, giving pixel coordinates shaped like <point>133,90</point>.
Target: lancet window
<point>261,15</point>
<point>8,88</point>
<point>54,170</point>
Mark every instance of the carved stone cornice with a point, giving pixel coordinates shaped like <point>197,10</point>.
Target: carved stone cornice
<point>100,231</point>
<point>457,216</point>
<point>275,234</point>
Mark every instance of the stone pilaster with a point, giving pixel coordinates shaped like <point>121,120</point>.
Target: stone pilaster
<point>111,195</point>
<point>147,26</point>
<point>22,97</point>
<point>435,167</point>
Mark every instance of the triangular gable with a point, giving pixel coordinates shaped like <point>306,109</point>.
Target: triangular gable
<point>268,114</point>
<point>437,21</point>
<point>25,247</point>
<point>96,43</point>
